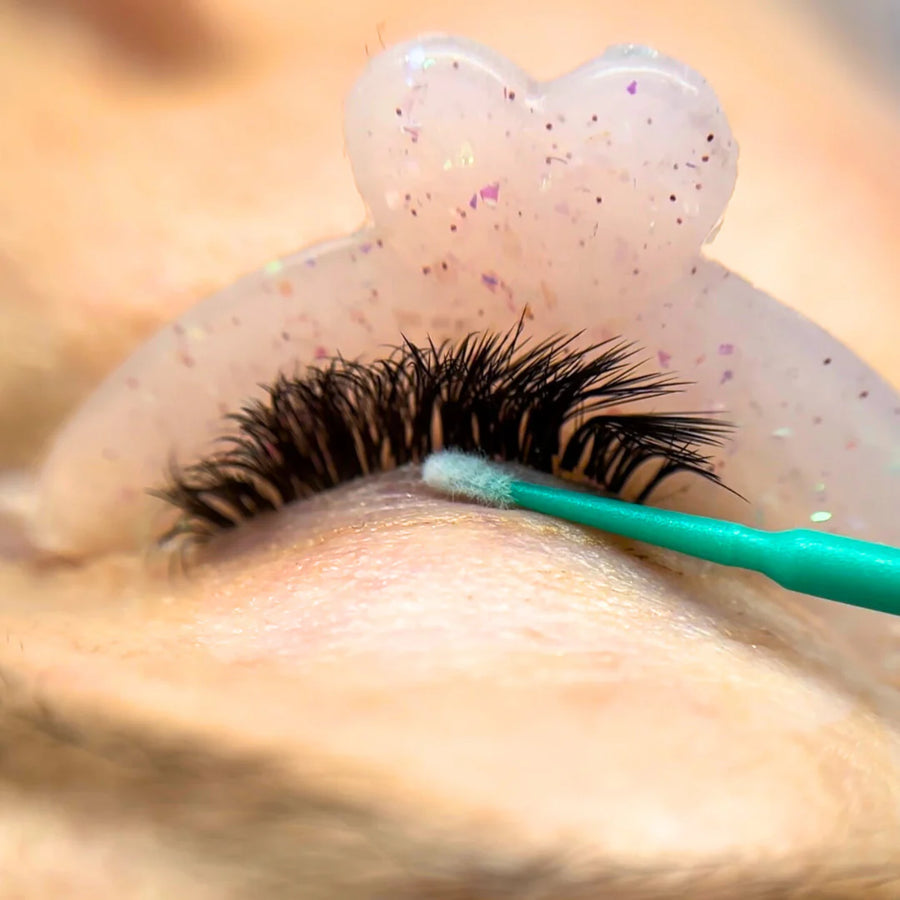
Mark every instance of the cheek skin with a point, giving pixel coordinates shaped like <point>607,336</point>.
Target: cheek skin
<point>584,201</point>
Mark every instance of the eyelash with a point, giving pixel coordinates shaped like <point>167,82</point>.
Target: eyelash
<point>490,393</point>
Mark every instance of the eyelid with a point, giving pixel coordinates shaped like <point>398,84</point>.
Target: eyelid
<point>748,354</point>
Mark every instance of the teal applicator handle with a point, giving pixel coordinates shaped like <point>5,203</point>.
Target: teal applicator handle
<point>837,568</point>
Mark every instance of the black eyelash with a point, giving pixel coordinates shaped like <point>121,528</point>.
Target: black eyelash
<point>547,406</point>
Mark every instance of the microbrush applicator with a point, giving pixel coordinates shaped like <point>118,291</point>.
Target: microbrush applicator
<point>858,573</point>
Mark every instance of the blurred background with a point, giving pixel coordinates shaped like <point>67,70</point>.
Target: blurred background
<point>152,151</point>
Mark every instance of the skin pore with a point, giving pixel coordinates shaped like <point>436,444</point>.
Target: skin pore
<point>380,692</point>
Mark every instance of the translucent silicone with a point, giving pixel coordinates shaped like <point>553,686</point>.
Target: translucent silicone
<point>584,201</point>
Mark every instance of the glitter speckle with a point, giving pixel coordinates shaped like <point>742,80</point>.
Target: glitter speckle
<point>416,58</point>
<point>490,193</point>
<point>820,516</point>
<point>726,349</point>
<point>782,433</point>
<point>632,88</point>
<point>664,358</point>
<point>273,267</point>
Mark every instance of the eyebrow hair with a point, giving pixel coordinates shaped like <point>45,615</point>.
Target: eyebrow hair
<point>268,831</point>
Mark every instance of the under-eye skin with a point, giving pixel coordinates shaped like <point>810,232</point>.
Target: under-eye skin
<point>547,405</point>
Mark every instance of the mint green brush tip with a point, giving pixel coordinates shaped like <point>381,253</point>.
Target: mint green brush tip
<point>844,569</point>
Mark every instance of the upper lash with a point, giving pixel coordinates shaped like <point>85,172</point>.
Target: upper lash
<point>546,406</point>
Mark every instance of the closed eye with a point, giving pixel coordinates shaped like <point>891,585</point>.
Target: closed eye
<point>550,405</point>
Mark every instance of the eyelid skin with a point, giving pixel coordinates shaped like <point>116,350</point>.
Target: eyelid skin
<point>585,201</point>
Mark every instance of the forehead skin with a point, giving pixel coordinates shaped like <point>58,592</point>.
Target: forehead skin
<point>448,692</point>
<point>522,688</point>
<point>521,692</point>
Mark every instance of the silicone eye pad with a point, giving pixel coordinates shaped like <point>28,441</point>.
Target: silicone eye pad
<point>584,200</point>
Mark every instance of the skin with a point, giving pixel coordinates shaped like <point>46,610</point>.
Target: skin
<point>419,694</point>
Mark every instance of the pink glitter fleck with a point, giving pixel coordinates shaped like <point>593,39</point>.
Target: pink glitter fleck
<point>365,248</point>
<point>473,202</point>
<point>489,280</point>
<point>320,352</point>
<point>490,192</point>
<point>632,88</point>
<point>664,358</point>
<point>727,375</point>
<point>726,349</point>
